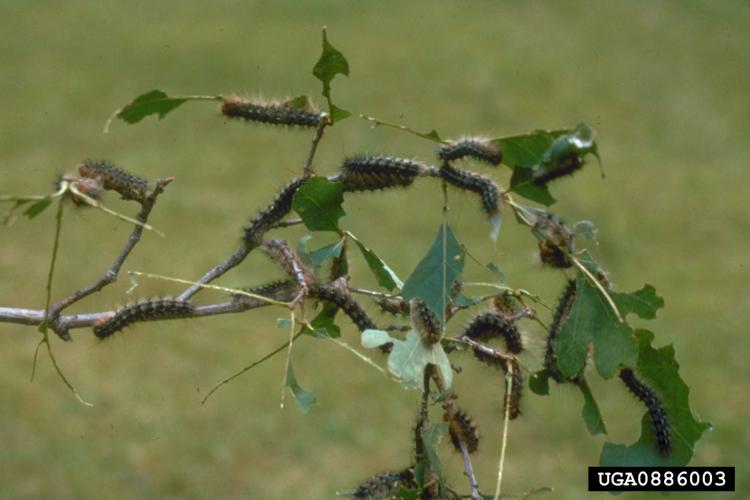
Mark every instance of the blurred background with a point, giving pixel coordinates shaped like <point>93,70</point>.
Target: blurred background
<point>665,84</point>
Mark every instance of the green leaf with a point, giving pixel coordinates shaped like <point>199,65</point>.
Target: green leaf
<point>324,322</point>
<point>304,399</point>
<point>592,417</point>
<point>318,202</point>
<point>495,270</point>
<point>299,102</point>
<point>386,277</point>
<point>318,257</point>
<point>433,278</point>
<point>338,114</point>
<point>10,216</point>
<point>592,320</point>
<point>375,338</point>
<point>660,371</point>
<point>431,437</point>
<point>539,383</point>
<point>150,103</point>
<point>521,183</point>
<point>526,150</point>
<point>37,208</point>
<point>582,141</point>
<point>643,303</point>
<point>409,357</point>
<point>585,229</point>
<point>462,300</point>
<point>331,63</point>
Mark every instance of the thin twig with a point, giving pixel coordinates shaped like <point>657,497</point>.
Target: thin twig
<point>506,419</point>
<point>110,276</point>
<point>232,261</point>
<point>286,223</point>
<point>316,139</point>
<point>248,368</point>
<point>469,472</point>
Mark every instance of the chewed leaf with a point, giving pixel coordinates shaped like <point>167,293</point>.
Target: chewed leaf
<point>154,102</point>
<point>299,102</point>
<point>660,370</point>
<point>386,277</point>
<point>643,302</point>
<point>409,357</point>
<point>431,281</point>
<point>318,202</point>
<point>304,399</point>
<point>526,150</point>
<point>331,63</point>
<point>375,338</point>
<point>521,182</point>
<point>592,417</point>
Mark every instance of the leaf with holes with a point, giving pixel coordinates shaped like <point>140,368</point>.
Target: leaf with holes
<point>318,202</point>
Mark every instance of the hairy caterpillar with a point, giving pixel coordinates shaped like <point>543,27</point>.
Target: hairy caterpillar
<point>273,113</point>
<point>385,485</point>
<point>493,358</point>
<point>274,212</point>
<point>111,177</point>
<point>277,290</point>
<point>148,310</point>
<point>565,165</point>
<point>346,303</point>
<point>370,173</point>
<point>474,147</point>
<point>462,430</point>
<point>564,305</point>
<point>656,410</point>
<point>489,325</point>
<point>90,187</point>
<point>424,321</point>
<point>555,241</point>
<point>281,253</point>
<point>469,181</point>
<point>393,305</point>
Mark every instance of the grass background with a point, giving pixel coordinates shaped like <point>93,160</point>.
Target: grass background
<point>665,85</point>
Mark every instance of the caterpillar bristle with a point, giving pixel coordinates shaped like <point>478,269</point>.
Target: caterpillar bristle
<point>271,113</point>
<point>277,290</point>
<point>385,485</point>
<point>274,212</point>
<point>424,321</point>
<point>473,147</point>
<point>555,241</point>
<point>566,165</point>
<point>655,407</point>
<point>489,325</point>
<point>147,310</point>
<point>462,430</point>
<point>112,177</point>
<point>564,305</point>
<point>479,184</point>
<point>292,265</point>
<point>371,173</point>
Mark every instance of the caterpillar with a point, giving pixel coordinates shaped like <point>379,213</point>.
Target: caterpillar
<point>489,325</point>
<point>424,321</point>
<point>346,303</point>
<point>393,305</point>
<point>555,241</point>
<point>274,212</point>
<point>494,358</point>
<point>462,430</point>
<point>385,485</point>
<point>281,253</point>
<point>474,147</point>
<point>564,305</point>
<point>565,165</point>
<point>277,290</point>
<point>272,113</point>
<point>148,310</point>
<point>656,410</point>
<point>370,173</point>
<point>112,177</point>
<point>469,181</point>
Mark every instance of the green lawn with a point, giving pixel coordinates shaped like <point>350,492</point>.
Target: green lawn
<point>662,83</point>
